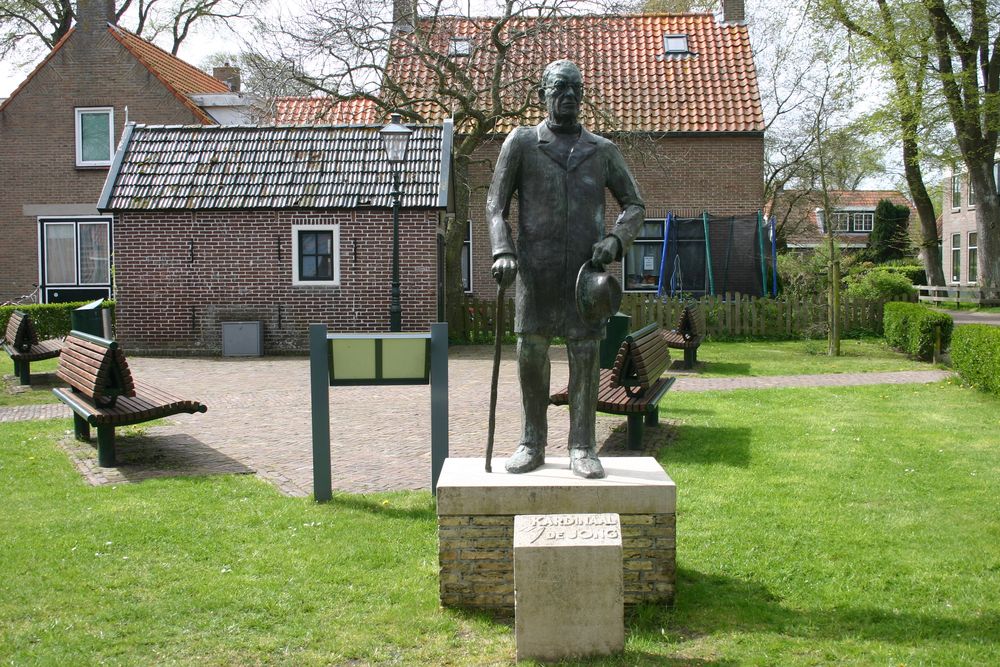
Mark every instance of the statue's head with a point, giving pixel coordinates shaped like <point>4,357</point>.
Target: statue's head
<point>562,91</point>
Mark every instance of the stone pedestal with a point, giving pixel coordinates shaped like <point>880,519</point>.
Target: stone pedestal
<point>476,513</point>
<point>568,586</point>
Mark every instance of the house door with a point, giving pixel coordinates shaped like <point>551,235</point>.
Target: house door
<point>75,259</point>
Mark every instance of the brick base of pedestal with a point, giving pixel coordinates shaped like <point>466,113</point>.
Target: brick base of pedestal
<point>476,525</point>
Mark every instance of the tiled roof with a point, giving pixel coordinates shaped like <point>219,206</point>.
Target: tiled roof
<point>806,228</point>
<point>276,167</point>
<point>630,84</point>
<point>324,110</point>
<point>181,78</point>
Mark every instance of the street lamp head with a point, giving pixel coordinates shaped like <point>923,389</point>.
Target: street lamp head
<point>395,137</point>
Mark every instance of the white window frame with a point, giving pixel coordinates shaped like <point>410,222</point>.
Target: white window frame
<point>43,269</point>
<point>840,221</point>
<point>972,192</point>
<point>972,258</point>
<point>79,112</point>
<point>672,44</point>
<point>956,251</point>
<point>460,47</point>
<point>319,227</point>
<point>867,226</point>
<point>956,192</point>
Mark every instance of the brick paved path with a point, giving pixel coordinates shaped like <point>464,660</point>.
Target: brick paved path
<point>259,419</point>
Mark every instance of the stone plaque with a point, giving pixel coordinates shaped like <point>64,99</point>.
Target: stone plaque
<point>568,590</point>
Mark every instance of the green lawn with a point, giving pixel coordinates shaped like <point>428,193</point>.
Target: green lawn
<point>800,357</point>
<point>815,526</point>
<point>42,381</point>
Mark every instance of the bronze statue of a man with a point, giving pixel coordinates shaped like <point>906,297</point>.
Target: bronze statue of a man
<point>560,172</point>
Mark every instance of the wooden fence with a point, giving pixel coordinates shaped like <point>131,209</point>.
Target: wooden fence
<point>732,315</point>
<point>945,296</point>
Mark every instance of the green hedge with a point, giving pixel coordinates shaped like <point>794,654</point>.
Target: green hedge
<point>975,354</point>
<point>911,327</point>
<point>51,320</point>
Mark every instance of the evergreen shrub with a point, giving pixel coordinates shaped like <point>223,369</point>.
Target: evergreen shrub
<point>911,327</point>
<point>975,354</point>
<point>52,320</point>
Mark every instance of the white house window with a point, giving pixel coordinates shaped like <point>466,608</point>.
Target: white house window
<point>863,222</point>
<point>840,221</point>
<point>467,258</point>
<point>972,192</point>
<point>94,136</point>
<point>675,44</point>
<point>641,268</point>
<point>956,191</point>
<point>973,255</point>
<point>460,47</point>
<point>75,258</point>
<point>956,258</point>
<point>316,255</point>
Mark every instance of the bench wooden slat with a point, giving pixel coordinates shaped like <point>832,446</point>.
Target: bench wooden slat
<point>96,370</point>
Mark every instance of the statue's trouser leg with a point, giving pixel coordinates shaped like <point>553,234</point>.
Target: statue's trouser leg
<point>533,373</point>
<point>584,371</point>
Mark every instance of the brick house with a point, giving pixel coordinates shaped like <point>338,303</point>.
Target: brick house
<point>58,131</point>
<point>677,92</point>
<point>801,222</point>
<point>279,225</point>
<point>960,253</point>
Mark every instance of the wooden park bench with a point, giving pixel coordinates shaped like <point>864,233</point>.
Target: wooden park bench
<point>21,342</point>
<point>688,334</point>
<point>634,386</point>
<point>102,392</point>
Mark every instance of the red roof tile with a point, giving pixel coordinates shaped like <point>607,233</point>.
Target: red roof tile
<point>178,76</point>
<point>324,111</point>
<point>631,85</point>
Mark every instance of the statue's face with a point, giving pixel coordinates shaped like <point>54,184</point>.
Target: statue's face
<point>562,91</point>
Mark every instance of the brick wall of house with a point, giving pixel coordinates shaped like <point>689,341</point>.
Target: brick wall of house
<point>723,175</point>
<point>179,276</point>
<point>37,136</point>
<point>957,222</point>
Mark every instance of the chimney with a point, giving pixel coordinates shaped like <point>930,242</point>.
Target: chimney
<point>404,16</point>
<point>733,11</point>
<point>94,15</point>
<point>228,75</point>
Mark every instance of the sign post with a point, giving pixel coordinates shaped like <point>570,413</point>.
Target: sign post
<point>376,359</point>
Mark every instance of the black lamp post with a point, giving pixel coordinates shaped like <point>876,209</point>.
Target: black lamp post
<point>395,138</point>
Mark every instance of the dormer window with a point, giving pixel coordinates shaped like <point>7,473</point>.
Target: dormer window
<point>460,47</point>
<point>675,45</point>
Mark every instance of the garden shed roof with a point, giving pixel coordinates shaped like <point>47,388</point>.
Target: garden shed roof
<point>201,167</point>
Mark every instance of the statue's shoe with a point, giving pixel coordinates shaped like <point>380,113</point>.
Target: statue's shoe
<point>584,463</point>
<point>525,459</point>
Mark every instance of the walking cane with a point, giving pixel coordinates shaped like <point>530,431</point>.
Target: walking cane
<point>496,376</point>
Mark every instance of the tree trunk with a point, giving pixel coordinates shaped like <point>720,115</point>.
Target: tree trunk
<point>930,251</point>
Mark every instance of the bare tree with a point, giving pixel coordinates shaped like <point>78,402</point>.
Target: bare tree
<point>414,57</point>
<point>30,27</point>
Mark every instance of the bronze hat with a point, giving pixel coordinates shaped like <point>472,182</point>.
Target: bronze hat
<point>598,294</point>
